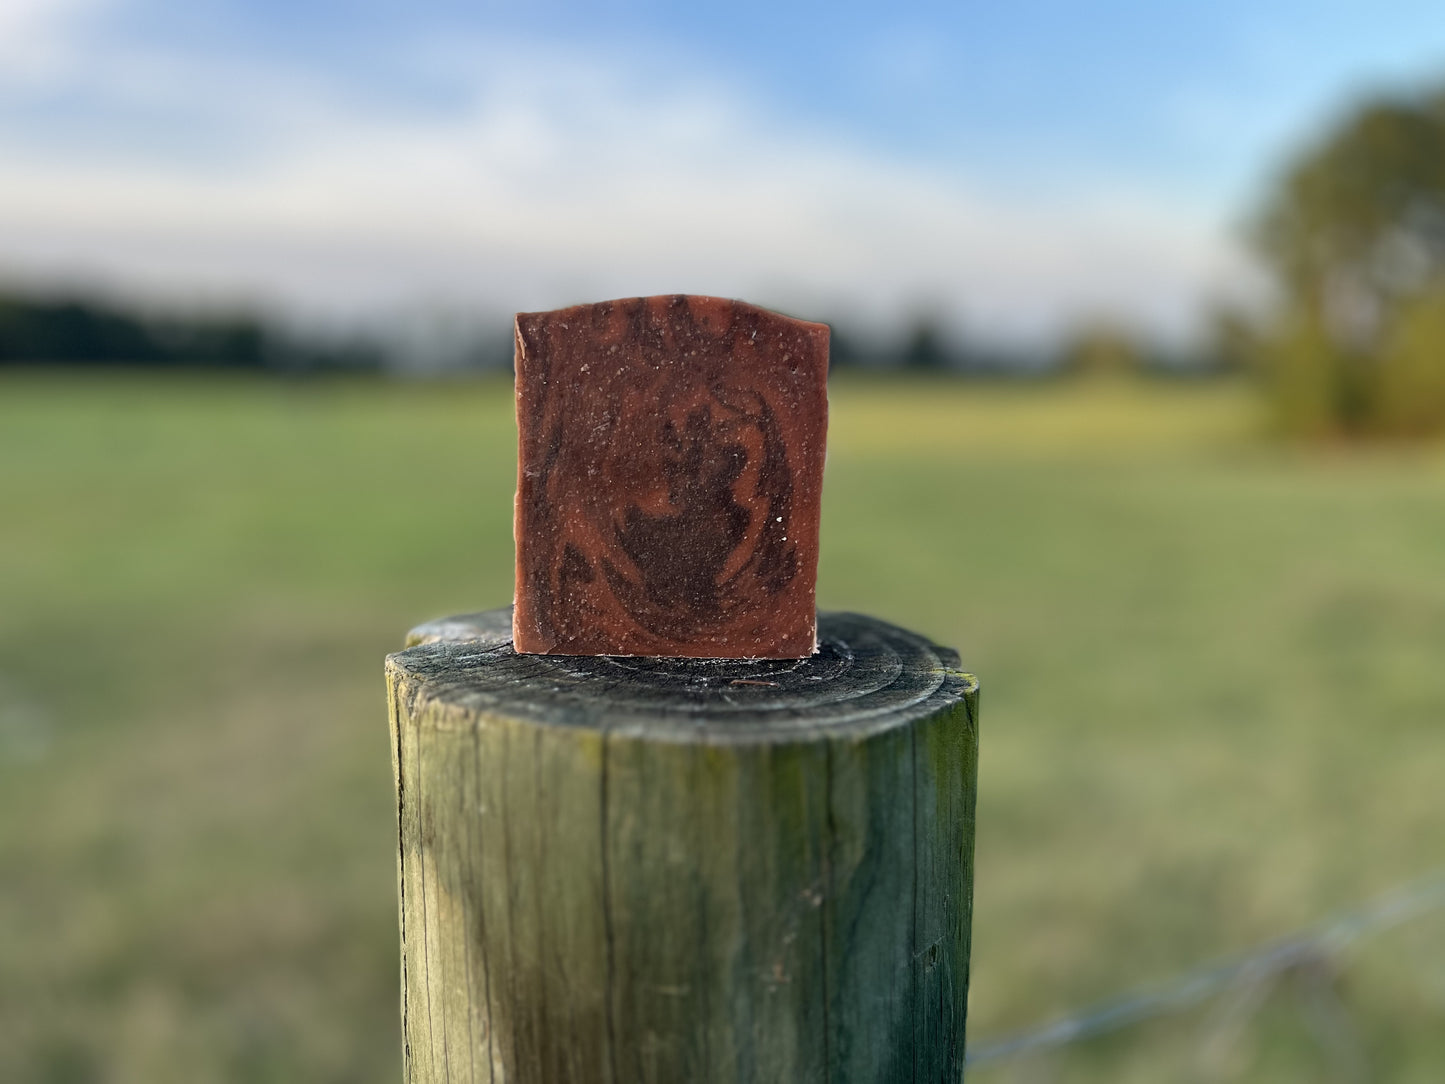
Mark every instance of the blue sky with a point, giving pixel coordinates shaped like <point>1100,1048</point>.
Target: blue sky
<point>1017,167</point>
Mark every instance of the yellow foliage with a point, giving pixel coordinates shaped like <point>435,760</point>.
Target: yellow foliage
<point>1410,400</point>
<point>1305,376</point>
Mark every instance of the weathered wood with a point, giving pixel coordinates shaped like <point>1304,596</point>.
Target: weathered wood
<point>670,870</point>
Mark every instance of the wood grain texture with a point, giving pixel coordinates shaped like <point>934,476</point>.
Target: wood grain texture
<point>669,473</point>
<point>645,871</point>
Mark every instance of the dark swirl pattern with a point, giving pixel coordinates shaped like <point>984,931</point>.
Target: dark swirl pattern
<point>669,475</point>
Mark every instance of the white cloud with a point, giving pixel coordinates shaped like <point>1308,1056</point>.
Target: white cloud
<point>37,35</point>
<point>551,179</point>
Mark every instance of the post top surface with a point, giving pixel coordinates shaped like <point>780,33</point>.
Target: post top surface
<point>866,676</point>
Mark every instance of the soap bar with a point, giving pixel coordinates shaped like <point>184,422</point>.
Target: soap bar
<point>670,467</point>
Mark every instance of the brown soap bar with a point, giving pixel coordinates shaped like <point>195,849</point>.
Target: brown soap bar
<point>669,475</point>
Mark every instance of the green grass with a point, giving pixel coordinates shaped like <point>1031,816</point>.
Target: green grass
<point>1213,701</point>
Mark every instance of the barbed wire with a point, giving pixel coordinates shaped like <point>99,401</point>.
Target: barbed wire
<point>1310,948</point>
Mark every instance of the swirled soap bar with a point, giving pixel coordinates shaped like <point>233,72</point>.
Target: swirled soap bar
<point>670,468</point>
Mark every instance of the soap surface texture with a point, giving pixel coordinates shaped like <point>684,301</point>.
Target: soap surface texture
<point>670,469</point>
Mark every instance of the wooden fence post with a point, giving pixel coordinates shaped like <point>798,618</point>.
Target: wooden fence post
<point>637,870</point>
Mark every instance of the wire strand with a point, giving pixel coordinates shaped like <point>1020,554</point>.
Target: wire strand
<point>1186,990</point>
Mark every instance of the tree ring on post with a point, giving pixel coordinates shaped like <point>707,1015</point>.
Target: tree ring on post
<point>865,674</point>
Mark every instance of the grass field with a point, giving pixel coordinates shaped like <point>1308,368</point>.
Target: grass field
<point>1213,697</point>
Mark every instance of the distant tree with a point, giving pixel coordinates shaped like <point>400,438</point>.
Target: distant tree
<point>844,351</point>
<point>1354,234</point>
<point>1231,341</point>
<point>924,346</point>
<point>1101,349</point>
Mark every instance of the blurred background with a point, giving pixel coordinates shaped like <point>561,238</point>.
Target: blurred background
<point>1139,375</point>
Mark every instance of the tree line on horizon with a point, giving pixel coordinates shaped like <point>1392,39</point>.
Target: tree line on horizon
<point>82,331</point>
<point>86,332</point>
